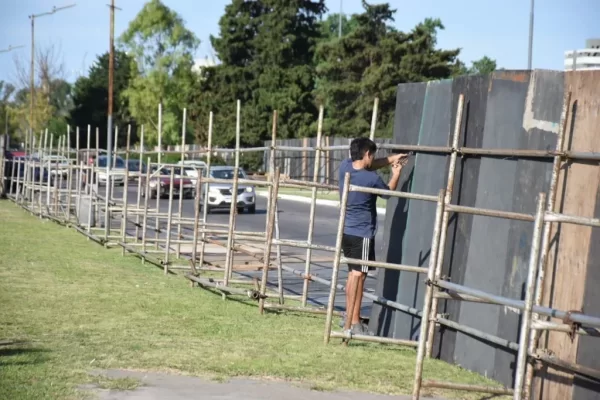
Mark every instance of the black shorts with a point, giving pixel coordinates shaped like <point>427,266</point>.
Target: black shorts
<point>358,248</point>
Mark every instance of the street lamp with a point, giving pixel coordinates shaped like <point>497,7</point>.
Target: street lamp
<point>31,83</point>
<point>11,48</point>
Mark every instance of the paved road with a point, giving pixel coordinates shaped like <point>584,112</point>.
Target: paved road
<point>293,223</point>
<point>155,386</point>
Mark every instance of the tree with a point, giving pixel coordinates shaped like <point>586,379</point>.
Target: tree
<point>330,26</point>
<point>162,48</point>
<point>52,93</point>
<point>484,65</point>
<point>267,49</point>
<point>370,62</point>
<point>90,95</point>
<point>6,92</point>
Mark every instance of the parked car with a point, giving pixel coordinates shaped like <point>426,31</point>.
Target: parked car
<point>135,168</point>
<point>57,165</point>
<point>219,194</point>
<point>117,172</point>
<point>20,159</point>
<point>160,183</point>
<point>191,167</point>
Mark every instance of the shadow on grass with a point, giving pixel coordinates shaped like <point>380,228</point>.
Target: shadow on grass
<point>13,356</point>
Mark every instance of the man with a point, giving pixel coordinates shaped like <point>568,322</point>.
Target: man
<point>358,240</point>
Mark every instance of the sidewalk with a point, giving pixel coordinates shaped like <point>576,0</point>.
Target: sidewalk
<point>307,200</point>
<point>175,387</point>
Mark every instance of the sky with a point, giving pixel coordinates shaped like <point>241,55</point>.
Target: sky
<point>498,29</point>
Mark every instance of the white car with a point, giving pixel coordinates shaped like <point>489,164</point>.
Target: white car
<point>117,173</point>
<point>57,165</point>
<point>219,194</point>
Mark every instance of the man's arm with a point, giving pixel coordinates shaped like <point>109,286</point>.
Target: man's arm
<point>395,178</point>
<point>393,182</point>
<point>385,161</point>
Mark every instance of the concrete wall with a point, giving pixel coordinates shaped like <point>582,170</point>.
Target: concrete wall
<point>511,110</point>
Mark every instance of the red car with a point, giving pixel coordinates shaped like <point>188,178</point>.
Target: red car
<point>161,186</point>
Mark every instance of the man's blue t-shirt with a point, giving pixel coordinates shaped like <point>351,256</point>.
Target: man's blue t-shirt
<point>361,212</point>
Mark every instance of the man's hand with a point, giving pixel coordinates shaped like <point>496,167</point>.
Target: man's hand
<point>397,168</point>
<point>398,158</point>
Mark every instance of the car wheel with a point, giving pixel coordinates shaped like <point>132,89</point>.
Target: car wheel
<point>252,209</point>
<point>240,210</point>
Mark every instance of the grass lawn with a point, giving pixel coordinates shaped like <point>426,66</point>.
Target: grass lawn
<point>77,307</point>
<point>324,195</point>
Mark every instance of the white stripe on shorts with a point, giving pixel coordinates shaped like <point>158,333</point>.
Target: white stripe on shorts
<point>365,254</point>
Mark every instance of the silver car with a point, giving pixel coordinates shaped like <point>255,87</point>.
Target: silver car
<point>220,194</point>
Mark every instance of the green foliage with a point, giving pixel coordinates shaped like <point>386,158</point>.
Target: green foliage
<point>330,26</point>
<point>267,50</point>
<point>6,92</point>
<point>484,65</point>
<point>370,62</point>
<point>90,95</point>
<point>163,49</point>
<point>275,55</point>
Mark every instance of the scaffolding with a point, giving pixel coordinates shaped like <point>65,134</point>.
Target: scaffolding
<point>70,195</point>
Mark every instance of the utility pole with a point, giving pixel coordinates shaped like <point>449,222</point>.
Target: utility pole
<point>31,77</point>
<point>530,55</point>
<point>109,122</point>
<point>340,20</point>
<point>111,67</point>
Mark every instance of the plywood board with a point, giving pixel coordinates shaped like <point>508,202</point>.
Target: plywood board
<point>568,260</point>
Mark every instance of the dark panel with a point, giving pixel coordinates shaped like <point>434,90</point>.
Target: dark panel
<point>532,177</point>
<point>407,122</point>
<point>428,177</point>
<point>475,90</point>
<point>490,237</point>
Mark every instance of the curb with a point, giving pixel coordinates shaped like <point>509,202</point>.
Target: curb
<point>308,200</point>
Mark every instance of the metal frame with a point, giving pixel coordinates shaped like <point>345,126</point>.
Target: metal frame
<point>65,204</point>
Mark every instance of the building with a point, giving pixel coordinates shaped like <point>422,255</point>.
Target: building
<point>584,59</point>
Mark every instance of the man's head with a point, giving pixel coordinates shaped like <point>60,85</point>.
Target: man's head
<point>363,149</point>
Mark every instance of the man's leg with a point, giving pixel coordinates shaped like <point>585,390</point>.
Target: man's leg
<point>352,294</point>
<point>367,254</point>
<point>358,298</point>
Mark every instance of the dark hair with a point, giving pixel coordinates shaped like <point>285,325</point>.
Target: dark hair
<point>360,146</point>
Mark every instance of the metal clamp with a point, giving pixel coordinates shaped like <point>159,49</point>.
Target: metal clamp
<point>574,326</point>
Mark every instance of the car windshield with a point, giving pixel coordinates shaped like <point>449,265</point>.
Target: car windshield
<point>225,174</point>
<point>118,162</point>
<point>134,165</point>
